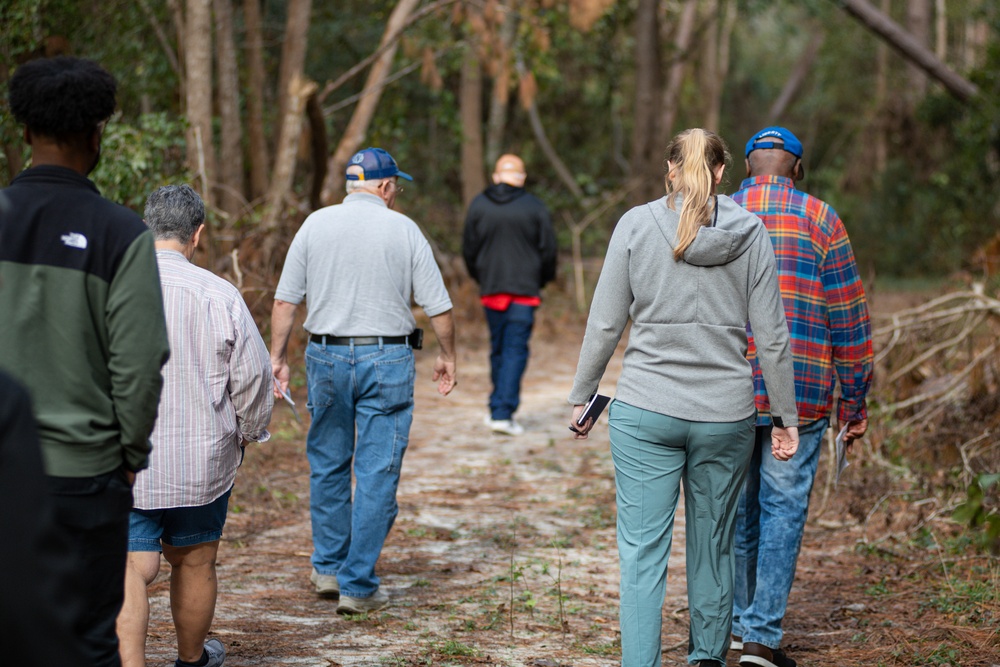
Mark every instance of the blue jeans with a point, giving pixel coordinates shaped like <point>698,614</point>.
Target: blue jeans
<point>510,331</point>
<point>370,386</point>
<point>769,524</point>
<point>653,454</point>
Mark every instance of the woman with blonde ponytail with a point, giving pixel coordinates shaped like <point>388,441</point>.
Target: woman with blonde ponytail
<point>690,271</point>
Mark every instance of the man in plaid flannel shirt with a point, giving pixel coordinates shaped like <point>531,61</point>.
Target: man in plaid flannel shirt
<point>831,340</point>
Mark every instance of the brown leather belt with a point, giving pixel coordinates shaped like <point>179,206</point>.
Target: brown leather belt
<point>357,340</point>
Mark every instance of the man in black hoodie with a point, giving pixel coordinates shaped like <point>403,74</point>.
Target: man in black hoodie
<point>510,250</point>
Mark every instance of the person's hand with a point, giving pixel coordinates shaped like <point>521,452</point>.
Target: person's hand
<point>444,375</point>
<point>784,442</point>
<point>855,430</point>
<point>282,374</point>
<point>580,432</point>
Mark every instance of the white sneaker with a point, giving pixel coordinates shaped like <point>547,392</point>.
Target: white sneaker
<point>506,427</point>
<point>352,605</point>
<point>326,584</point>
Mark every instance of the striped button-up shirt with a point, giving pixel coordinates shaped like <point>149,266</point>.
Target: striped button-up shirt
<point>217,389</point>
<point>824,301</point>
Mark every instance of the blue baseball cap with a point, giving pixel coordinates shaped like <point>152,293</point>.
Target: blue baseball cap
<point>775,137</point>
<point>376,163</point>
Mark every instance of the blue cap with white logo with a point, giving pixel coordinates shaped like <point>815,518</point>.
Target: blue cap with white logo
<point>775,137</point>
<point>376,164</point>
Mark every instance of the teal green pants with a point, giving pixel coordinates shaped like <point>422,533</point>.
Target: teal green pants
<point>653,453</point>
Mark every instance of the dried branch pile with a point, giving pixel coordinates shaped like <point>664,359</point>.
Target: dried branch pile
<point>938,374</point>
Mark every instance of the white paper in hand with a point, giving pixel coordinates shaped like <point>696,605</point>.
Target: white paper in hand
<point>842,461</point>
<point>287,395</point>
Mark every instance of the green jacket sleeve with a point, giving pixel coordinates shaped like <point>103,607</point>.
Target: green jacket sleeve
<point>138,346</point>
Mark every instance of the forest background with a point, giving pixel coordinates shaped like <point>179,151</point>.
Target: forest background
<point>260,103</point>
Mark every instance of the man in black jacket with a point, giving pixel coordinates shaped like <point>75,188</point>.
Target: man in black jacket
<point>510,250</point>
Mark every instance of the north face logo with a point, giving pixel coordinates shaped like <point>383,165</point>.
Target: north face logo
<point>74,240</point>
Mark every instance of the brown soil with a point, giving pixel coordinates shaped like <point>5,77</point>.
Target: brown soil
<point>504,551</point>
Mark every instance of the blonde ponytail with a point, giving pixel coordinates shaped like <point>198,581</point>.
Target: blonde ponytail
<point>693,155</point>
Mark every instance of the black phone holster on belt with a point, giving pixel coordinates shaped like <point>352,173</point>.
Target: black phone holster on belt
<point>416,339</point>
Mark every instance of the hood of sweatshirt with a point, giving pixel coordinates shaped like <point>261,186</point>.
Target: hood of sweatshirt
<point>733,232</point>
<point>503,193</point>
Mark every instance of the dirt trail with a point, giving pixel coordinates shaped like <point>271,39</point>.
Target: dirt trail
<point>476,512</point>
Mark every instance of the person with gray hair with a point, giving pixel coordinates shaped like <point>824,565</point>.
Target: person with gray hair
<point>216,396</point>
<point>360,263</point>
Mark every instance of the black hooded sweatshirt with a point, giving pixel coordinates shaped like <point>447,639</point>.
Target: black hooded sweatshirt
<point>509,245</point>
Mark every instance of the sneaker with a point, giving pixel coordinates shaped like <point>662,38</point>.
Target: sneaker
<point>735,643</point>
<point>326,584</point>
<point>506,427</point>
<point>758,654</point>
<point>352,605</point>
<point>215,651</point>
<point>710,663</point>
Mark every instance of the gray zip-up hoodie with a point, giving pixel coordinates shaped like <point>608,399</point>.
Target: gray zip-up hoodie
<point>686,353</point>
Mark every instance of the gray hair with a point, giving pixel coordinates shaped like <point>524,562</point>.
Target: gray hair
<point>357,170</point>
<point>174,212</point>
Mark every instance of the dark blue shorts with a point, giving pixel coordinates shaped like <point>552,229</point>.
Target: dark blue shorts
<point>177,526</point>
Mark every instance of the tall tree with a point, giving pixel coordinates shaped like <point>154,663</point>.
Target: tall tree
<point>357,127</point>
<point>255,90</point>
<point>647,94</point>
<point>918,23</point>
<point>471,113</point>
<point>293,49</point>
<point>198,68</point>
<point>496,122</point>
<point>231,198</point>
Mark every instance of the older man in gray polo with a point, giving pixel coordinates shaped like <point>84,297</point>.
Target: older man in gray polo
<point>359,263</point>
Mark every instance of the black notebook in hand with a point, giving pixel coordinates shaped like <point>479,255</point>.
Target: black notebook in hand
<point>595,406</point>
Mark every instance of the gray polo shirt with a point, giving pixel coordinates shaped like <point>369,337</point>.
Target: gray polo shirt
<point>359,263</point>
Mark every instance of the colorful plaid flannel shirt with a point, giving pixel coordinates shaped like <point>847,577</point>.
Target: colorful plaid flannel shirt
<point>824,301</point>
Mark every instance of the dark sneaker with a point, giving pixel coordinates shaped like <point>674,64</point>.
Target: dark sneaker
<point>758,654</point>
<point>735,643</point>
<point>326,584</point>
<point>215,651</point>
<point>352,605</point>
<point>710,663</point>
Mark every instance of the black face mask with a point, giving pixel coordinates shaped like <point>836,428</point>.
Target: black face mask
<point>97,159</point>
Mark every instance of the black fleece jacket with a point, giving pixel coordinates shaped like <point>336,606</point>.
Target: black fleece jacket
<point>509,245</point>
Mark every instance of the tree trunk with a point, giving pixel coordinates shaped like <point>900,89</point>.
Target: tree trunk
<point>319,148</point>
<point>357,127</point>
<point>725,40</point>
<point>940,29</point>
<point>711,87</point>
<point>911,49</point>
<point>881,143</point>
<point>977,33</point>
<point>198,65</point>
<point>293,50</point>
<point>672,93</point>
<point>471,112</point>
<point>647,89</point>
<point>918,23</point>
<point>496,124</point>
<point>231,198</point>
<point>795,80</point>
<point>299,91</point>
<point>177,16</point>
<point>260,161</point>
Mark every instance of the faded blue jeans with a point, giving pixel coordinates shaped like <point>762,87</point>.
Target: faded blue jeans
<point>510,331</point>
<point>370,386</point>
<point>769,524</point>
